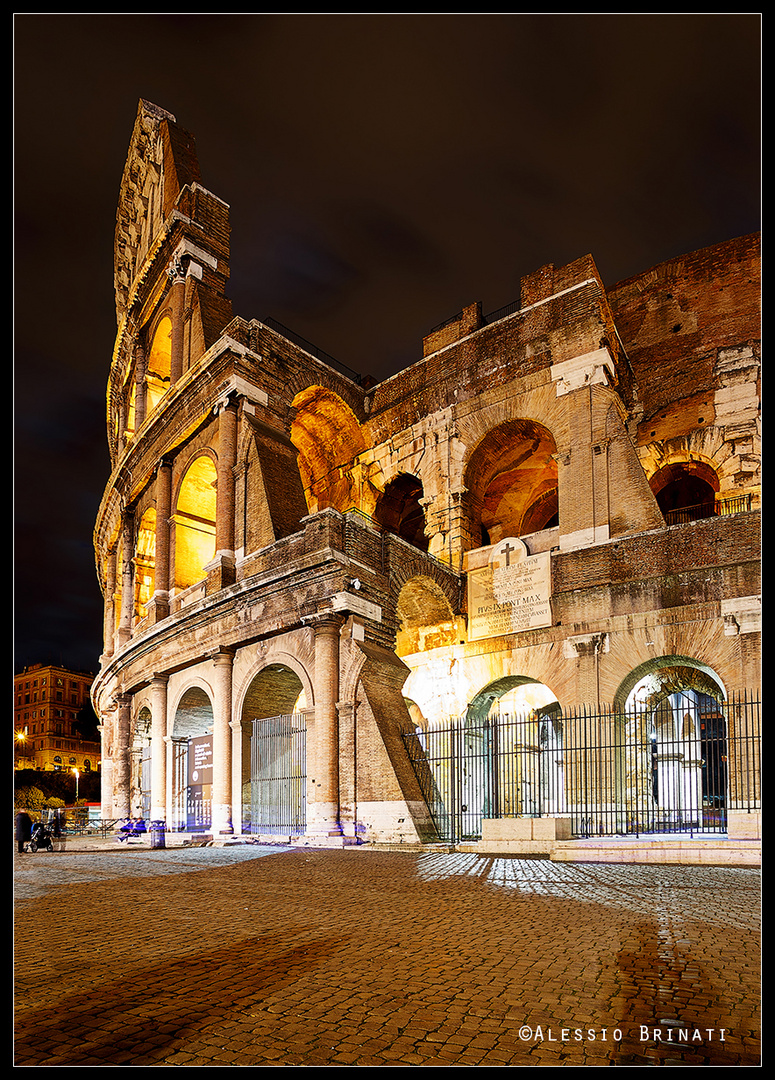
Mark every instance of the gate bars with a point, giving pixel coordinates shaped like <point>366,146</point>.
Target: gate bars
<point>278,776</point>
<point>677,764</point>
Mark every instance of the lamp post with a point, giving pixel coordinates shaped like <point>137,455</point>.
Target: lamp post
<point>20,737</point>
<point>76,774</point>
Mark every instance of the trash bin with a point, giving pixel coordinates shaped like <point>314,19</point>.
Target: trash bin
<point>158,829</point>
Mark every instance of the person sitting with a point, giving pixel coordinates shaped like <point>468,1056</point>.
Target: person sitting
<point>125,830</point>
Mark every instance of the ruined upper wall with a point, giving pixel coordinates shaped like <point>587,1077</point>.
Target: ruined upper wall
<point>567,315</point>
<point>161,185</point>
<point>675,319</point>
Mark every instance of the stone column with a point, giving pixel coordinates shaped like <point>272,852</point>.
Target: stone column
<point>587,650</point>
<point>348,769</point>
<point>237,771</point>
<point>158,748</point>
<point>121,758</point>
<point>127,578</point>
<point>227,459</point>
<point>222,820</point>
<point>109,627</point>
<point>221,571</point>
<point>177,275</point>
<point>140,388</point>
<point>159,607</point>
<point>107,742</point>
<point>323,789</point>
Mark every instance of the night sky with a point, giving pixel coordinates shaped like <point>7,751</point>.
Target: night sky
<point>383,171</point>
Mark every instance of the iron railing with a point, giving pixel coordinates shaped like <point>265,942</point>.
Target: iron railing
<point>736,504</point>
<point>278,776</point>
<point>677,765</point>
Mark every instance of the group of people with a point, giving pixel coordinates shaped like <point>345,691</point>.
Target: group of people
<point>25,828</point>
<point>131,827</point>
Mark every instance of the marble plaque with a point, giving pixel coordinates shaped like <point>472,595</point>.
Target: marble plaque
<point>511,592</point>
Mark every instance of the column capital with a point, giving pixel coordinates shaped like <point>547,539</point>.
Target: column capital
<point>223,655</point>
<point>176,272</point>
<point>324,622</point>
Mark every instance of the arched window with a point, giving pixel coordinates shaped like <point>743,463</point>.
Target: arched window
<point>145,560</point>
<point>195,522</point>
<point>158,368</point>
<point>512,477</point>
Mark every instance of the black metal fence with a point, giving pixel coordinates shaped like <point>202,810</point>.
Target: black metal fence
<point>736,504</point>
<point>676,765</point>
<point>278,776</point>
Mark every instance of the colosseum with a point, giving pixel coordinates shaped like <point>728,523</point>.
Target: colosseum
<point>508,596</point>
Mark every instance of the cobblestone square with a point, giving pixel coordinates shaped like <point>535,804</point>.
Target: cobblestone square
<point>259,955</point>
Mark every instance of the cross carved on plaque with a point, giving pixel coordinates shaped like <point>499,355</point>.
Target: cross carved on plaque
<point>507,552</point>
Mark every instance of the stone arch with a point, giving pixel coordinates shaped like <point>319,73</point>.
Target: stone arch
<point>425,617</point>
<point>158,361</point>
<point>145,562</point>
<point>272,746</point>
<point>674,739</point>
<point>192,760</point>
<point>128,394</point>
<point>654,679</point>
<point>511,475</point>
<point>715,446</point>
<point>330,440</point>
<point>513,741</point>
<point>140,768</point>
<point>399,510</point>
<point>194,520</point>
<point>192,712</point>
<point>685,490</point>
<point>491,695</point>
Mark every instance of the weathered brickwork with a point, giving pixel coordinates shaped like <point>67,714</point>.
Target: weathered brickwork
<point>552,505</point>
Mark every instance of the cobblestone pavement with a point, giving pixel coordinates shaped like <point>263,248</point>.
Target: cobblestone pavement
<point>272,956</point>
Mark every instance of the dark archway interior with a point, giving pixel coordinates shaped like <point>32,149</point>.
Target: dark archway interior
<point>400,511</point>
<point>687,487</point>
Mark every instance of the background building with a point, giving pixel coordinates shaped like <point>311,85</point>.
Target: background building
<point>517,581</point>
<point>47,701</point>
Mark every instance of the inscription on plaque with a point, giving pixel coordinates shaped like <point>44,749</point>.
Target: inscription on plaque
<point>511,592</point>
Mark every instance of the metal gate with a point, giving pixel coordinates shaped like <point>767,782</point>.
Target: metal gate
<point>278,775</point>
<point>677,765</point>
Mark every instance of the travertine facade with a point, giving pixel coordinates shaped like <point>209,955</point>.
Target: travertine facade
<point>555,503</point>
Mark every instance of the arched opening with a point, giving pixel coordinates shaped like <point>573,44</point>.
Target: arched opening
<point>274,756</point>
<point>145,562</point>
<point>192,762</point>
<point>426,619</point>
<point>676,747</point>
<point>157,378</point>
<point>399,510</point>
<point>502,758</point>
<point>140,790</point>
<point>329,439</point>
<point>515,725</point>
<point>685,491</point>
<point>512,478</point>
<point>195,522</point>
<point>673,734</point>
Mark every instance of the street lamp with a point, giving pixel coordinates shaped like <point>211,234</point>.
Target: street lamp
<point>20,737</point>
<point>76,774</point>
